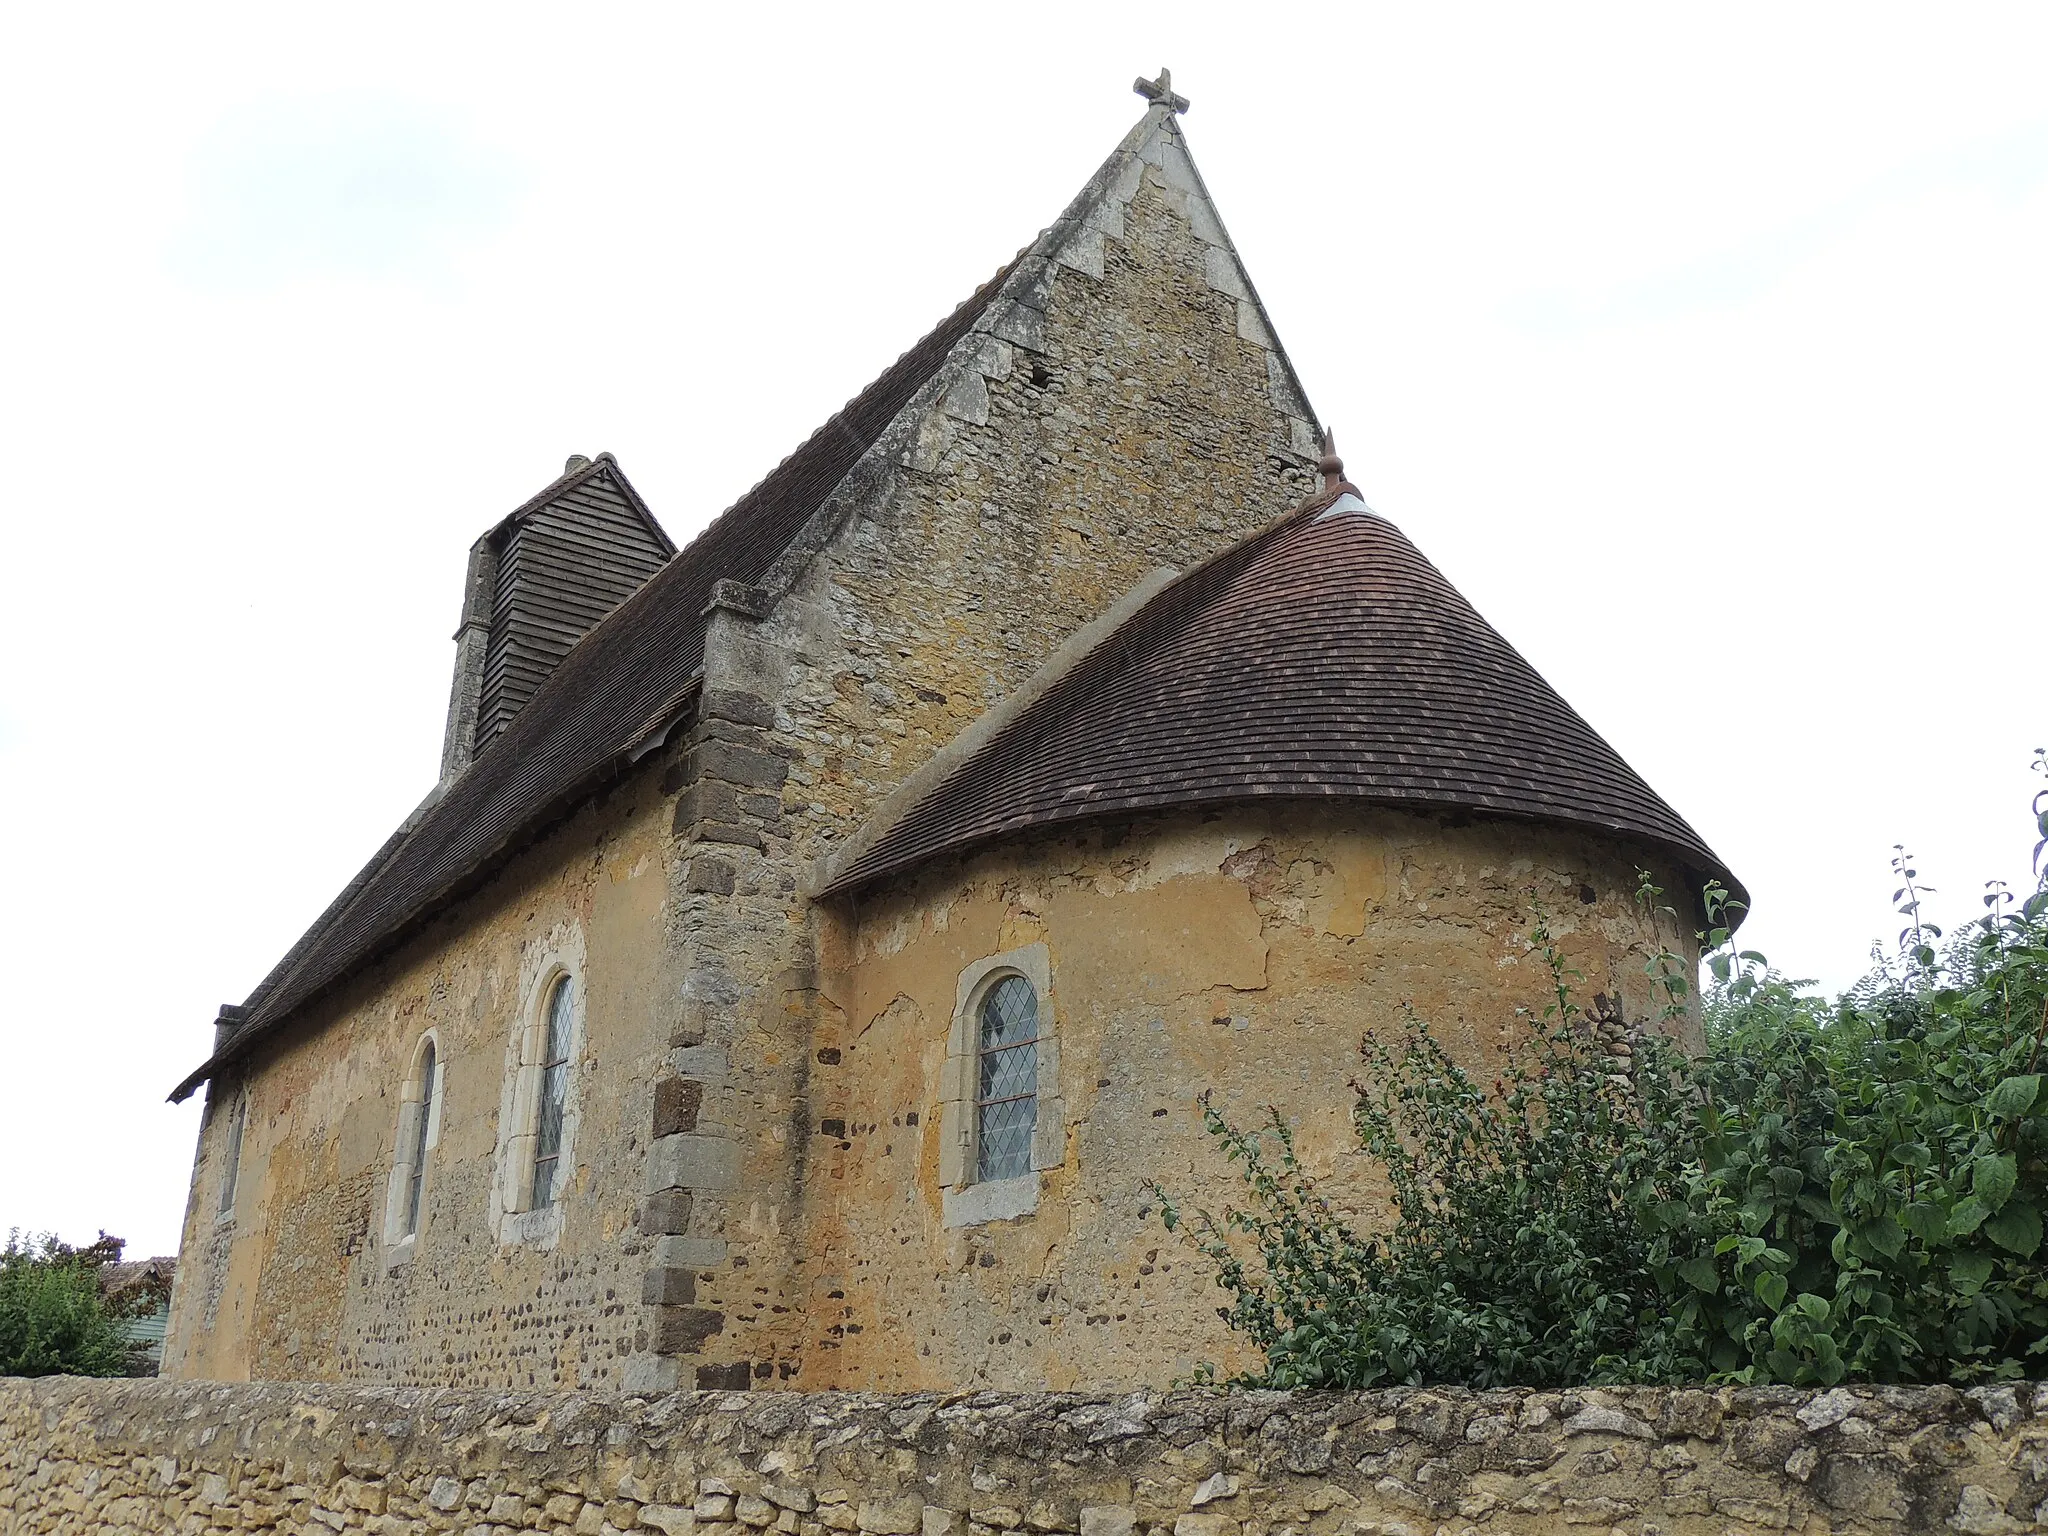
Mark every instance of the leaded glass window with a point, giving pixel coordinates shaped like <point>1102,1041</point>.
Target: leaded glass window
<point>554,1096</point>
<point>1006,1093</point>
<point>422,1119</point>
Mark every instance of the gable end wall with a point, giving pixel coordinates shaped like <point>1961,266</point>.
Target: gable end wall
<point>1128,413</point>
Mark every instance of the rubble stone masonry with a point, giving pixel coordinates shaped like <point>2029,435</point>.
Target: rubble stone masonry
<point>195,1457</point>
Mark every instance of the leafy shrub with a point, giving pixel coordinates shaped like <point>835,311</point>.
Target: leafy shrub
<point>53,1319</point>
<point>1847,1188</point>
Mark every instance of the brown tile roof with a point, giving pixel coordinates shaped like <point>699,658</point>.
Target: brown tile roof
<point>614,690</point>
<point>1322,657</point>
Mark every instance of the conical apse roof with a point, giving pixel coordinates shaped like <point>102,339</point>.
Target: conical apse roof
<point>1324,657</point>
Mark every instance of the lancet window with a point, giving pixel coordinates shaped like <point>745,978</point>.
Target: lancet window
<point>1006,1096</point>
<point>553,1094</point>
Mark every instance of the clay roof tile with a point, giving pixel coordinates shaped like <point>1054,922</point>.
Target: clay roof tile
<point>1324,657</point>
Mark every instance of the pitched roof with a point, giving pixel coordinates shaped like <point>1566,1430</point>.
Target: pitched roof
<point>580,476</point>
<point>616,689</point>
<point>1323,657</point>
<point>621,686</point>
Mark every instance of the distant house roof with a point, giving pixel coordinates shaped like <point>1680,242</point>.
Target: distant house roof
<point>614,691</point>
<point>115,1279</point>
<point>1322,658</point>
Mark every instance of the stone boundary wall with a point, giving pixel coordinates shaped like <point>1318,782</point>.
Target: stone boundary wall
<point>196,1457</point>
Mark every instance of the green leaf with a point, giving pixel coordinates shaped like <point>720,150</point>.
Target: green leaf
<point>1992,1179</point>
<point>2013,1097</point>
<point>1967,1216</point>
<point>1820,1209</point>
<point>1770,1290</point>
<point>2017,1227</point>
<point>1925,1221</point>
<point>1701,1274</point>
<point>1884,1235</point>
<point>1968,1272</point>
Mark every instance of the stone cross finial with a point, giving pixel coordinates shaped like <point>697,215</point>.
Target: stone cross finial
<point>1160,92</point>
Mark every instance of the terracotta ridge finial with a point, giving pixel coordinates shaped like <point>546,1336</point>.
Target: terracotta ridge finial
<point>1332,467</point>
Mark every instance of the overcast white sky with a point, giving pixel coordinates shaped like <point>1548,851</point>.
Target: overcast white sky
<point>1703,348</point>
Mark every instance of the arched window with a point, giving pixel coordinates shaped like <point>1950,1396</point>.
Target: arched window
<point>419,1131</point>
<point>553,1095</point>
<point>1006,1092</point>
<point>1002,1120</point>
<point>420,1114</point>
<point>232,1176</point>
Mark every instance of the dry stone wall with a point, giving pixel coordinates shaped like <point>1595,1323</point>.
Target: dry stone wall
<point>149,1456</point>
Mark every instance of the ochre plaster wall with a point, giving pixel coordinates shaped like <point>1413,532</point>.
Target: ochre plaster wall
<point>298,1284</point>
<point>1241,951</point>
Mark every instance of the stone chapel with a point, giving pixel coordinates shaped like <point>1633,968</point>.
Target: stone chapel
<point>820,933</point>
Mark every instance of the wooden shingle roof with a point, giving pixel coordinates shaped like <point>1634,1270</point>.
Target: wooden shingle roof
<point>615,691</point>
<point>1322,658</point>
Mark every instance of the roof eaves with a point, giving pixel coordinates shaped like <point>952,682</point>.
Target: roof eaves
<point>644,742</point>
<point>1184,601</point>
<point>333,910</point>
<point>1026,278</point>
<point>560,485</point>
<point>851,868</point>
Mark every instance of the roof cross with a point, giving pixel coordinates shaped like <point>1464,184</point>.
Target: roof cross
<point>1160,92</point>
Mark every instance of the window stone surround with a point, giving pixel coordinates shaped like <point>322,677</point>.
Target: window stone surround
<point>966,1201</point>
<point>416,1096</point>
<point>513,1220</point>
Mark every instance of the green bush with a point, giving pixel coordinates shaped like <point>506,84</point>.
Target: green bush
<point>53,1319</point>
<point>1836,1189</point>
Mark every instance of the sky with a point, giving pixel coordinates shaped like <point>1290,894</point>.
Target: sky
<point>1702,348</point>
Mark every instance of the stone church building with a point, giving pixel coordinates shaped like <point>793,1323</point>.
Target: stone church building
<point>819,934</point>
